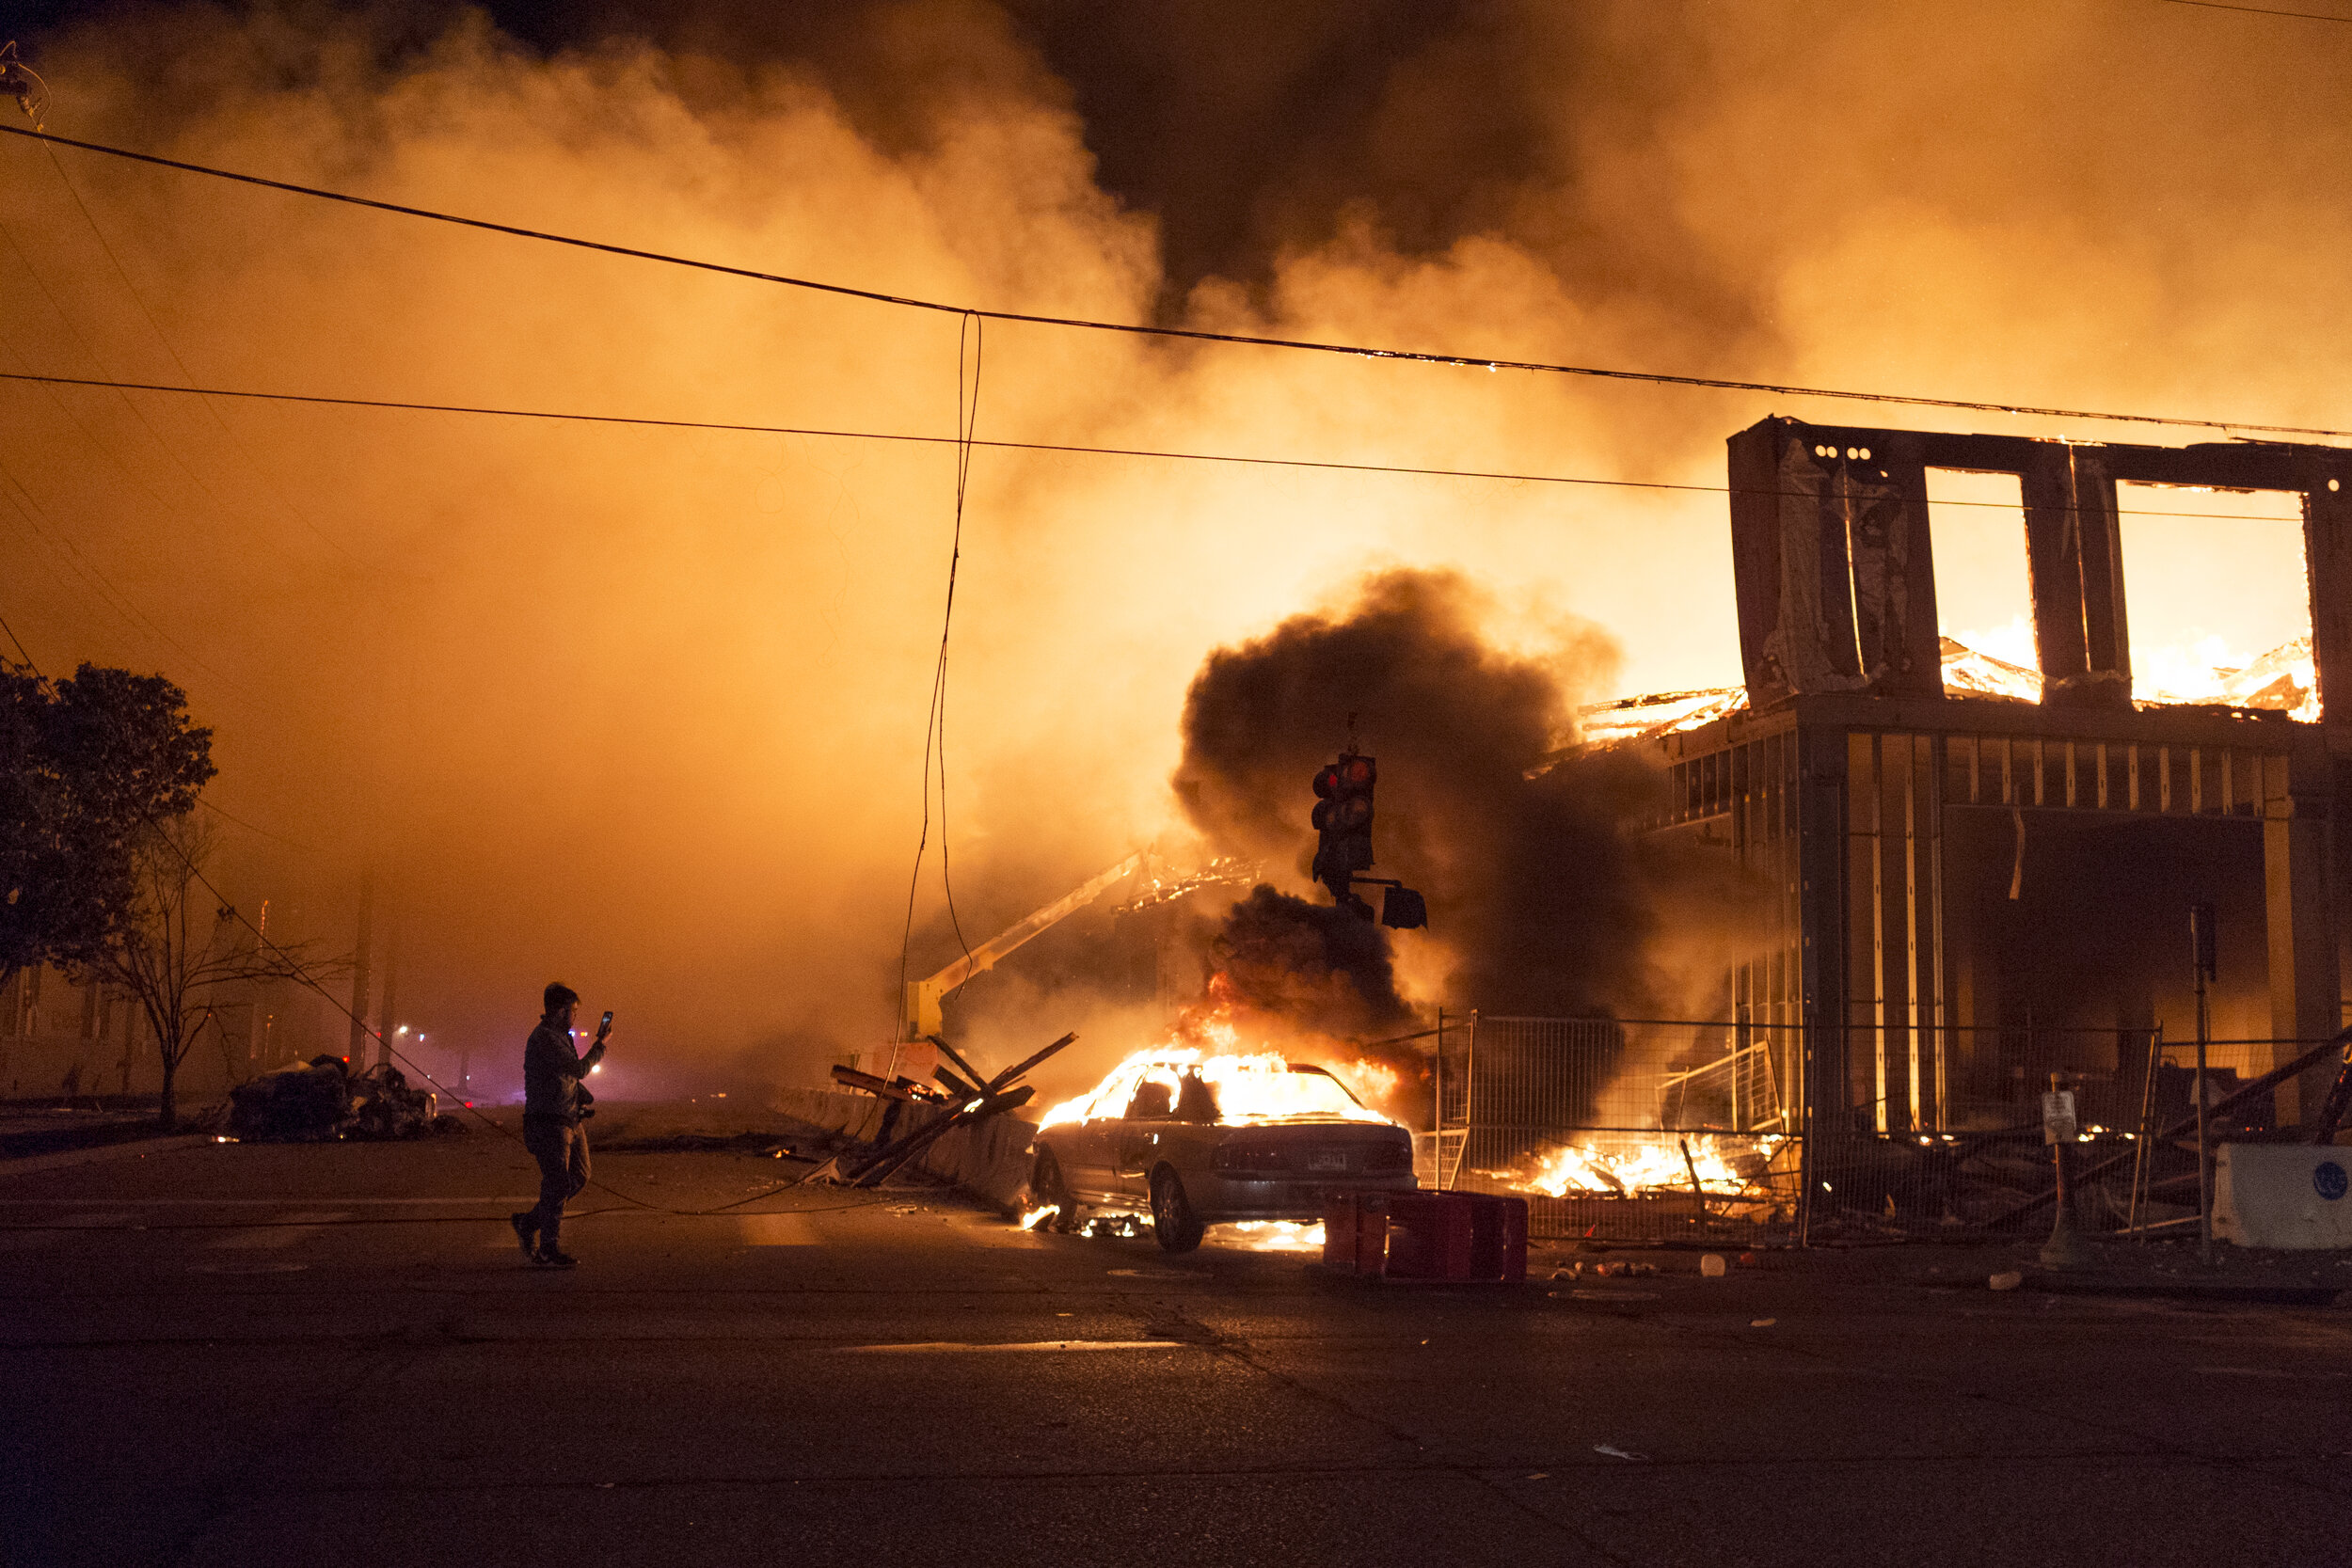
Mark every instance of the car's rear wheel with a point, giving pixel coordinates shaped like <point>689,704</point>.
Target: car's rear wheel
<point>1048,1191</point>
<point>1173,1219</point>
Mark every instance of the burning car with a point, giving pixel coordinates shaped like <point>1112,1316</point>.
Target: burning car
<point>1195,1139</point>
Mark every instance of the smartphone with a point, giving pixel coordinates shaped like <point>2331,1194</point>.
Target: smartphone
<point>606,1027</point>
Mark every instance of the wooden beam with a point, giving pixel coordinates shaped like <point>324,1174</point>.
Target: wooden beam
<point>1011,1073</point>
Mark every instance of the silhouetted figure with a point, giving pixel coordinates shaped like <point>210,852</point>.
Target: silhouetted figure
<point>554,1100</point>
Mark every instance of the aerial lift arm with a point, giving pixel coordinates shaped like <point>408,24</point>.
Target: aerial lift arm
<point>919,1013</point>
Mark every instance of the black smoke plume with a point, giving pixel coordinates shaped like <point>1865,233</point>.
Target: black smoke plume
<point>1321,967</point>
<point>1539,898</point>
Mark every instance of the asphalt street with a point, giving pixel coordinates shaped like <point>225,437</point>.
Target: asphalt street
<point>242,1354</point>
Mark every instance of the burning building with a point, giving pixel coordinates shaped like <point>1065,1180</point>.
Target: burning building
<point>1976,873</point>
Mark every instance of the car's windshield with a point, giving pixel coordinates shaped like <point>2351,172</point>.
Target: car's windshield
<point>1188,1086</point>
<point>1239,1089</point>
<point>1301,1091</point>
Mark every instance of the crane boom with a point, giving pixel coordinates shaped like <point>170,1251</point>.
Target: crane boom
<point>920,1015</point>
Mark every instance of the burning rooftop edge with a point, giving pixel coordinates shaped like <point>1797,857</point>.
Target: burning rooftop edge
<point>2280,681</point>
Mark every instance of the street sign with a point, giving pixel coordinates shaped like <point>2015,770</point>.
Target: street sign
<point>2058,1117</point>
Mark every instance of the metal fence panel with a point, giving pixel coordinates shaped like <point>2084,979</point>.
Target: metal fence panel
<point>1659,1131</point>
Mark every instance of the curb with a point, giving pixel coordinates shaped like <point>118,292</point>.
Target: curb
<point>30,1164</point>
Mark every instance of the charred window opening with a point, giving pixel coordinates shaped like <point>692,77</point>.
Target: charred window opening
<point>2217,597</point>
<point>1983,585</point>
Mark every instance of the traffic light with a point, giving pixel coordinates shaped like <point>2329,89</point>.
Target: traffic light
<point>1404,909</point>
<point>1343,821</point>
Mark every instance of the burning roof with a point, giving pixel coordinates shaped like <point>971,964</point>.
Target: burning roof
<point>2282,680</point>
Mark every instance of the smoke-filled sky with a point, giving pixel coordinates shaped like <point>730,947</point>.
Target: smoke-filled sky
<point>646,708</point>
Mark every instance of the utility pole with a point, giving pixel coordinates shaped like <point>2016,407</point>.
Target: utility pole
<point>356,1052</point>
<point>2205,950</point>
<point>391,983</point>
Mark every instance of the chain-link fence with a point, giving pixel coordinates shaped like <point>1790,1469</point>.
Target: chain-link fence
<point>1628,1130</point>
<point>1678,1131</point>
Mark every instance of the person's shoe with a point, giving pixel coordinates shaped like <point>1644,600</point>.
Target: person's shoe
<point>526,1231</point>
<point>555,1258</point>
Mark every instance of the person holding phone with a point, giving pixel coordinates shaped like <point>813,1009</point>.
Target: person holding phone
<point>554,1102</point>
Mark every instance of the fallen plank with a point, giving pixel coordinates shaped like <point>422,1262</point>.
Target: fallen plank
<point>1011,1073</point>
<point>866,1082</point>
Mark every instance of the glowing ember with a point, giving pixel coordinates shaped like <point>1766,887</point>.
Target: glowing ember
<point>1276,1235</point>
<point>1642,1167</point>
<point>1035,1217</point>
<point>1246,1086</point>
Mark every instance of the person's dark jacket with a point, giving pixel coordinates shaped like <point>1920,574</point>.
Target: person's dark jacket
<point>552,1068</point>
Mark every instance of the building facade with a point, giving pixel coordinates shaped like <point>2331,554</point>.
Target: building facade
<point>1963,891</point>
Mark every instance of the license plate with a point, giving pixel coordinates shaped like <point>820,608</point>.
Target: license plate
<point>1327,1158</point>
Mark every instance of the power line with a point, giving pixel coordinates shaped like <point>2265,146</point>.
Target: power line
<point>1067,448</point>
<point>935,717</point>
<point>2257,11</point>
<point>156,327</point>
<point>254,827</point>
<point>1460,361</point>
<point>22,651</point>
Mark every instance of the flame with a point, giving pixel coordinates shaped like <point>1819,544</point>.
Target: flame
<point>1278,1235</point>
<point>1374,1082</point>
<point>1639,1167</point>
<point>1249,1086</point>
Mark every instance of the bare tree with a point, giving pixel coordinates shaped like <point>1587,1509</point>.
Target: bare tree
<point>179,945</point>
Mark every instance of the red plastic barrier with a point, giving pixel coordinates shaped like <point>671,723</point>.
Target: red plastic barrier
<point>1433,1237</point>
<point>1356,1232</point>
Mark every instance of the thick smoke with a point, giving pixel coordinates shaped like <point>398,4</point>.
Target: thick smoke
<point>1539,899</point>
<point>644,708</point>
<point>1320,967</point>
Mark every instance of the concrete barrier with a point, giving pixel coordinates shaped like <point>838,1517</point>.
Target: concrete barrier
<point>990,1160</point>
<point>2282,1195</point>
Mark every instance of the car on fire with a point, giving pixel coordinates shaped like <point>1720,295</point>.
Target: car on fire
<point>1194,1141</point>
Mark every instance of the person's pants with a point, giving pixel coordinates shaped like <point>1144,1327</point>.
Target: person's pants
<point>563,1155</point>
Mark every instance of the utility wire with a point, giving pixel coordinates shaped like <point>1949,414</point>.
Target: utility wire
<point>2257,11</point>
<point>970,331</point>
<point>254,827</point>
<point>967,422</point>
<point>1461,361</point>
<point>155,326</point>
<point>21,650</point>
<point>1410,470</point>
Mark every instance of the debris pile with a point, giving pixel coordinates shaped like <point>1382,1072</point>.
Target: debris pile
<point>973,1099</point>
<point>319,1100</point>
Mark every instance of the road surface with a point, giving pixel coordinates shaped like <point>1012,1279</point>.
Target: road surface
<point>240,1354</point>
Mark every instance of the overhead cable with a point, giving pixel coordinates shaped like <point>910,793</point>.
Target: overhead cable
<point>2259,10</point>
<point>1462,361</point>
<point>1068,448</point>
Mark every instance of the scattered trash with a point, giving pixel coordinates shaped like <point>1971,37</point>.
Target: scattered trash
<point>1712,1266</point>
<point>1619,1453</point>
<point>1762,1323</point>
<point>2008,1280</point>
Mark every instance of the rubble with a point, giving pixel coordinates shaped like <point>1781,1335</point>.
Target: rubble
<point>975,1100</point>
<point>319,1102</point>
